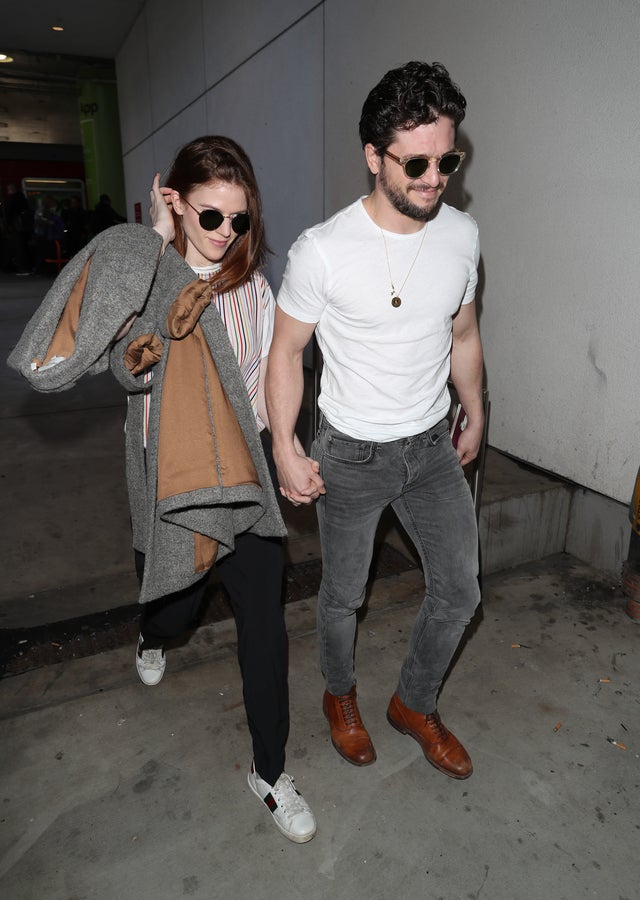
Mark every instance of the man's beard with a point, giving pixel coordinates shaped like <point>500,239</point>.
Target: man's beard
<point>401,202</point>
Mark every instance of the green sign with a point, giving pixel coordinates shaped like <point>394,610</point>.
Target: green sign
<point>100,129</point>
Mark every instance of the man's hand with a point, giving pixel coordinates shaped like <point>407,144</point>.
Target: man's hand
<point>469,443</point>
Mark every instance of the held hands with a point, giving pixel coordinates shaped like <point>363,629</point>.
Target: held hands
<point>160,211</point>
<point>299,477</point>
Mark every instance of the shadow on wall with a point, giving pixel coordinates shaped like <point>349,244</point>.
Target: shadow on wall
<point>456,193</point>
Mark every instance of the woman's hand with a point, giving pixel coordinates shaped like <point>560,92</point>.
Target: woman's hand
<point>160,212</point>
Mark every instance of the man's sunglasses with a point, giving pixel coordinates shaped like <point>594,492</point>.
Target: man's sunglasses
<point>416,166</point>
<point>211,219</point>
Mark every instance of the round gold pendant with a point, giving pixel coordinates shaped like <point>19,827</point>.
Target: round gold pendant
<point>395,302</point>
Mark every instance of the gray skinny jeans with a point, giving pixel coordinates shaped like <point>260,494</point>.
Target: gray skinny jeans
<point>420,477</point>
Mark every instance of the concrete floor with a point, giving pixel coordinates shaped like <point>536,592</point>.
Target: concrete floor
<point>111,790</point>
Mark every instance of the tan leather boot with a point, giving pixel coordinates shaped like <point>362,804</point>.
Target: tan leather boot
<point>441,748</point>
<point>348,734</point>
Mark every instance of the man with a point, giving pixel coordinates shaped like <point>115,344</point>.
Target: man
<point>388,285</point>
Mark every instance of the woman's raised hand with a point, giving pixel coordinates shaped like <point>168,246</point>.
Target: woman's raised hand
<point>160,211</point>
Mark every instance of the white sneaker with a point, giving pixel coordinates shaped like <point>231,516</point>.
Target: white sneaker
<point>289,809</point>
<point>150,664</point>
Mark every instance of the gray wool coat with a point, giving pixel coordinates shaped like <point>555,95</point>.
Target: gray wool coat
<point>119,273</point>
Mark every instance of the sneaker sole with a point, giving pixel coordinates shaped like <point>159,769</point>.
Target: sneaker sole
<point>150,683</point>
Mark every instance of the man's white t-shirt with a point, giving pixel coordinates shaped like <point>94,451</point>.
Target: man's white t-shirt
<point>385,369</point>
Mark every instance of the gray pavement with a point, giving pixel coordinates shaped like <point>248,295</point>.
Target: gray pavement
<point>111,790</point>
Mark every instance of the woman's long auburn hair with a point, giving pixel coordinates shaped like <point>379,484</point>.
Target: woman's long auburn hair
<point>216,158</point>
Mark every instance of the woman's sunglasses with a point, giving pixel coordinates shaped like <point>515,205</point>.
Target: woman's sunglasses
<point>210,219</point>
<point>416,166</point>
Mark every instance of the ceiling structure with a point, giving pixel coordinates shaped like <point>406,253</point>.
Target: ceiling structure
<point>39,89</point>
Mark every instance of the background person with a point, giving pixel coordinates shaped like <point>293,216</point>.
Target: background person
<point>76,231</point>
<point>19,229</point>
<point>48,227</point>
<point>104,215</point>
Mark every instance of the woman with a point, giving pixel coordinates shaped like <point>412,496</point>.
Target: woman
<point>193,317</point>
<point>211,213</point>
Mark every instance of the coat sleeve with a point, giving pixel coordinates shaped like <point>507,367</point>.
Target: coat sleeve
<point>71,333</point>
<point>139,351</point>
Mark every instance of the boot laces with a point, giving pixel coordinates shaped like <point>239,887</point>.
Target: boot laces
<point>440,733</point>
<point>349,710</point>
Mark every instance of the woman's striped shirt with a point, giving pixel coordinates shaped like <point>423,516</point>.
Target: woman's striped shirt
<point>247,313</point>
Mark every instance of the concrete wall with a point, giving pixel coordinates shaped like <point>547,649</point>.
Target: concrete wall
<point>552,87</point>
<point>250,71</point>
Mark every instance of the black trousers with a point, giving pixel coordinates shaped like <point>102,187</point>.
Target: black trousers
<point>253,577</point>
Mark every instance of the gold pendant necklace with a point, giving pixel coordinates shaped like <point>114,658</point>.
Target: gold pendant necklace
<point>395,295</point>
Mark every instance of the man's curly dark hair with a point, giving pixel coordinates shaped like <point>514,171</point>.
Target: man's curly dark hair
<point>415,94</point>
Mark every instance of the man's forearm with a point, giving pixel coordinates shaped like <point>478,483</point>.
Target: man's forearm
<point>284,389</point>
<point>467,376</point>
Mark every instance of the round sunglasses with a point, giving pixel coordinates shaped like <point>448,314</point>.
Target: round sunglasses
<point>416,166</point>
<point>211,219</point>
